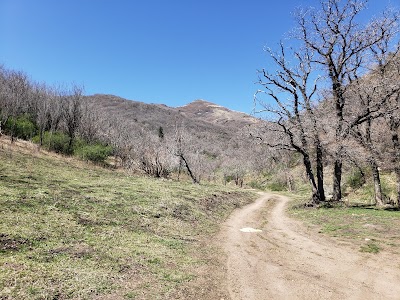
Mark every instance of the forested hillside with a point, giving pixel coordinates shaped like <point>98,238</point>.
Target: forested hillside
<point>202,140</point>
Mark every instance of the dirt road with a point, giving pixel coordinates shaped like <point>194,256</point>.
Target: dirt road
<point>284,262</point>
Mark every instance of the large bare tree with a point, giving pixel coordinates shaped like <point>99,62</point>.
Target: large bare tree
<point>342,47</point>
<point>291,95</point>
<point>374,96</point>
<point>389,69</point>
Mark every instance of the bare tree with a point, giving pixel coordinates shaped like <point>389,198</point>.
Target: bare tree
<point>363,136</point>
<point>89,126</point>
<point>71,107</point>
<point>153,155</point>
<point>293,92</point>
<point>188,156</point>
<point>121,138</point>
<point>42,99</point>
<point>342,47</point>
<point>3,97</point>
<point>389,69</point>
<point>371,97</point>
<point>15,93</point>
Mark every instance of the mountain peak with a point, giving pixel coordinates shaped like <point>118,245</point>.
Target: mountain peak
<point>214,113</point>
<point>200,103</point>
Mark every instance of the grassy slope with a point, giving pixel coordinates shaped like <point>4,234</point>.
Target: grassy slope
<point>357,222</point>
<point>71,230</point>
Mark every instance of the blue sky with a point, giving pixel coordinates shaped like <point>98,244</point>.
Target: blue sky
<point>155,51</point>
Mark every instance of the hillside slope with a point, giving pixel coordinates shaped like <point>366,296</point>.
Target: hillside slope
<point>213,125</point>
<point>71,230</point>
<point>199,112</point>
<point>214,139</point>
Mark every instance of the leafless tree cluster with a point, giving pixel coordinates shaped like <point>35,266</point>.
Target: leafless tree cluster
<point>47,109</point>
<point>150,139</point>
<point>332,86</point>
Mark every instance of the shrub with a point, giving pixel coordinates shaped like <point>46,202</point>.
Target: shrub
<point>276,183</point>
<point>277,186</point>
<point>370,248</point>
<point>97,153</point>
<point>256,185</point>
<point>228,178</point>
<point>54,141</point>
<point>59,143</point>
<point>21,127</point>
<point>356,179</point>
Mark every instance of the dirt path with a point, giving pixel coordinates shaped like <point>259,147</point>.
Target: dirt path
<point>284,262</point>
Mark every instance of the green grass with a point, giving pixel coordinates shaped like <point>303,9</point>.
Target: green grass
<point>370,248</point>
<point>69,230</point>
<point>355,221</point>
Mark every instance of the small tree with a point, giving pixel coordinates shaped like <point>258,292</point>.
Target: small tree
<point>42,99</point>
<point>15,93</point>
<point>370,96</point>
<point>292,121</point>
<point>188,157</point>
<point>153,156</point>
<point>71,109</point>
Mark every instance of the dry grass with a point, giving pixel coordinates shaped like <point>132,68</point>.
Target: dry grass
<point>70,230</point>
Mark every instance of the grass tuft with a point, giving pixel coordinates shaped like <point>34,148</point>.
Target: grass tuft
<point>370,248</point>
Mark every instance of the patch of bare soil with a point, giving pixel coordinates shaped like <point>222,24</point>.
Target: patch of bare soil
<point>284,261</point>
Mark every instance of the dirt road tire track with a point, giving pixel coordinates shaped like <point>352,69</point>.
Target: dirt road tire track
<point>285,262</point>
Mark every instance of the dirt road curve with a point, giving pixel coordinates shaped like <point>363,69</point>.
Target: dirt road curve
<point>284,262</point>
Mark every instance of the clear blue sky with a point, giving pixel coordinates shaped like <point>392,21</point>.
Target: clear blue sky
<point>155,51</point>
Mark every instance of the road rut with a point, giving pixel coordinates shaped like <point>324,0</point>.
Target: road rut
<point>284,261</point>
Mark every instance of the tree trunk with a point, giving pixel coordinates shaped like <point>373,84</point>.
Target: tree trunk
<point>337,180</point>
<point>398,185</point>
<point>379,198</point>
<point>396,157</point>
<point>189,170</point>
<point>315,193</point>
<point>12,132</point>
<point>320,172</point>
<point>339,107</point>
<point>70,142</point>
<point>290,183</point>
<point>41,132</point>
<point>179,168</point>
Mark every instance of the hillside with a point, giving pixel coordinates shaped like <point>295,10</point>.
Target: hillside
<point>70,230</point>
<point>213,139</point>
<point>201,139</point>
<point>200,116</point>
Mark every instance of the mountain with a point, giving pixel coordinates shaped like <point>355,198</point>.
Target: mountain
<point>201,118</point>
<point>216,114</point>
<point>199,113</point>
<point>211,129</point>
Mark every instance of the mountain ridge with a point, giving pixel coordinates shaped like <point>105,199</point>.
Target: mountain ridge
<point>199,110</point>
